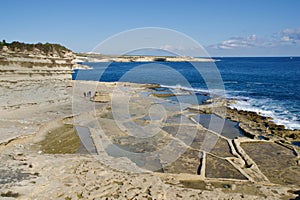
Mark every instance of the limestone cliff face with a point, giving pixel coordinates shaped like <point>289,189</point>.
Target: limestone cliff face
<point>33,76</point>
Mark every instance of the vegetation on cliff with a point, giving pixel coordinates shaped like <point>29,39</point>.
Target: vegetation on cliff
<point>46,48</point>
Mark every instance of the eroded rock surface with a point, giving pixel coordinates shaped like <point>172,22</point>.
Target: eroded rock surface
<point>31,76</point>
<point>210,165</point>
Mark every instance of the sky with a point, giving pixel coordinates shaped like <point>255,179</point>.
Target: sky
<point>222,27</point>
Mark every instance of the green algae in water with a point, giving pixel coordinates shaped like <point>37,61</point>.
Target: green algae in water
<point>61,140</point>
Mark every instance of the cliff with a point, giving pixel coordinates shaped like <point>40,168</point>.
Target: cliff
<point>33,74</point>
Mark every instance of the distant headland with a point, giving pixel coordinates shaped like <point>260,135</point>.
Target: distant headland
<point>95,57</point>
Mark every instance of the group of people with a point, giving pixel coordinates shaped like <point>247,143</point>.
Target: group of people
<point>87,94</point>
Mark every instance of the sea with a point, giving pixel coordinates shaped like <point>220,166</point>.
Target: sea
<point>269,86</point>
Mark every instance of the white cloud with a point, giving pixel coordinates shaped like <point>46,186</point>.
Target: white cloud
<point>167,47</point>
<point>290,36</point>
<point>239,42</point>
<point>284,37</point>
<point>185,50</point>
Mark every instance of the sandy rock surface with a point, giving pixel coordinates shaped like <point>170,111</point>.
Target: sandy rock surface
<point>227,171</point>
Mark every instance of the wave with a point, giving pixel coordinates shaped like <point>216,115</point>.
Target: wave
<point>258,83</point>
<point>267,107</point>
<point>230,82</point>
<point>211,92</point>
<point>229,94</point>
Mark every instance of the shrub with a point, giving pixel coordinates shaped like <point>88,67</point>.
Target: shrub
<point>46,48</point>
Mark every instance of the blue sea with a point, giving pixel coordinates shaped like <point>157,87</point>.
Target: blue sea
<point>269,86</point>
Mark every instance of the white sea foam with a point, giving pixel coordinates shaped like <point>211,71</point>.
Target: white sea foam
<point>212,92</point>
<point>231,82</point>
<point>269,108</point>
<point>264,106</point>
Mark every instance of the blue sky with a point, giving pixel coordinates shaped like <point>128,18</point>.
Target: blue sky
<point>224,28</point>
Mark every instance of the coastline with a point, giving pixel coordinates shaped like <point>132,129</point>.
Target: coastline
<point>156,100</point>
<point>68,139</point>
<point>84,57</point>
<point>254,94</point>
<point>253,123</point>
<point>208,184</point>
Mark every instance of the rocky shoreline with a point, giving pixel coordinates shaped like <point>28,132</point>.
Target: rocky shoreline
<point>253,124</point>
<point>126,141</point>
<point>231,169</point>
